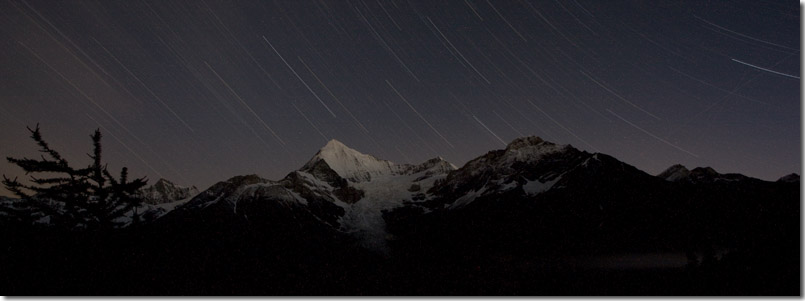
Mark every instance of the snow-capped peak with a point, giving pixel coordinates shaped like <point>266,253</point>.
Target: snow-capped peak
<point>435,164</point>
<point>524,142</point>
<point>531,148</point>
<point>351,164</point>
<point>675,173</point>
<point>701,173</point>
<point>790,178</point>
<point>334,145</point>
<point>163,181</point>
<point>164,191</point>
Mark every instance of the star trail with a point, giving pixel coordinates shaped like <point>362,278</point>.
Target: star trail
<point>199,91</point>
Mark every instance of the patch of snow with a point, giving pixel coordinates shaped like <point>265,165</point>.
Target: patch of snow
<point>123,221</point>
<point>364,218</point>
<point>508,186</point>
<point>172,205</point>
<point>467,198</point>
<point>675,177</point>
<point>44,220</point>
<point>317,184</point>
<point>298,197</point>
<point>536,187</point>
<point>586,161</point>
<point>208,203</point>
<point>726,180</point>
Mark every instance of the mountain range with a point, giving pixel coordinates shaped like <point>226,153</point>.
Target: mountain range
<point>369,199</point>
<point>511,221</point>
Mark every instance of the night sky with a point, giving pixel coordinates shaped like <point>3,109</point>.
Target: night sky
<point>198,91</point>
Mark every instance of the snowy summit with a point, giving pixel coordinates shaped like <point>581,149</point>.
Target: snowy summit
<point>351,164</point>
<point>675,173</point>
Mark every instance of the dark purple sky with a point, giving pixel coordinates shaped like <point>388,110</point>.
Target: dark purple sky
<point>198,91</point>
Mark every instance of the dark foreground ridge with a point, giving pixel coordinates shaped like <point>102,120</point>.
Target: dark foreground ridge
<point>535,218</point>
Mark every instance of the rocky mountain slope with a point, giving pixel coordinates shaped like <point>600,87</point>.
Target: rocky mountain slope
<point>164,191</point>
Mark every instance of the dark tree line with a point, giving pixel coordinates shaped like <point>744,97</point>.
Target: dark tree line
<point>89,197</point>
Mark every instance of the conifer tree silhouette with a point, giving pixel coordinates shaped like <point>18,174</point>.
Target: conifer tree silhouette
<point>89,197</point>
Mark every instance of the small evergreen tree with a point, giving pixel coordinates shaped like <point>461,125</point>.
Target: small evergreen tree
<point>88,197</point>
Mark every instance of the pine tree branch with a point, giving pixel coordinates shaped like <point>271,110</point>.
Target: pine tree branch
<point>44,147</point>
<point>15,187</point>
<point>50,180</point>
<point>31,165</point>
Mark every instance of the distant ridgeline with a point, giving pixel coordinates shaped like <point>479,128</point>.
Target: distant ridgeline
<point>535,218</point>
<point>158,199</point>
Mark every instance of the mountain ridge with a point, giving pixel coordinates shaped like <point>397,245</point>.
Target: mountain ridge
<point>353,192</point>
<point>533,218</point>
<point>358,195</point>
